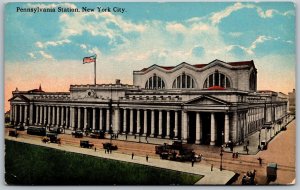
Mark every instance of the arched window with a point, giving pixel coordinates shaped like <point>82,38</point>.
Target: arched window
<point>217,79</point>
<point>155,82</point>
<point>184,81</point>
<point>252,81</point>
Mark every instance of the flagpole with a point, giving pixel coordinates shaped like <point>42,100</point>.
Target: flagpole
<point>95,71</point>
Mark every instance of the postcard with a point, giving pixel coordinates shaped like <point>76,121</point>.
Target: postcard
<point>150,93</point>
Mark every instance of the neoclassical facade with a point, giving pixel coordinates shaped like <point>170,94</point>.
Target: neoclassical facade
<point>203,104</point>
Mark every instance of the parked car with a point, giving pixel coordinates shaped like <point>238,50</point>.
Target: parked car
<point>272,171</point>
<point>52,137</point>
<point>264,145</point>
<point>110,146</point>
<point>98,134</point>
<point>40,131</point>
<point>86,144</point>
<point>20,128</point>
<point>77,134</point>
<point>13,133</point>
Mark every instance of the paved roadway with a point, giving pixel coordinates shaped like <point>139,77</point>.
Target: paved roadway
<point>281,150</point>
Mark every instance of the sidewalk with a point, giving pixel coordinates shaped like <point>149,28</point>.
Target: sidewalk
<point>215,177</point>
<point>265,135</point>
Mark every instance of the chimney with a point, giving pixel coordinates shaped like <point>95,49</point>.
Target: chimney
<point>118,81</point>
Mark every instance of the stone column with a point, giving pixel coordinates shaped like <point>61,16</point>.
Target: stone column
<point>79,118</point>
<point>107,120</point>
<point>117,120</point>
<point>197,128</point>
<point>67,117</point>
<point>21,114</point>
<point>94,118</point>
<point>138,122</point>
<point>85,125</point>
<point>212,129</point>
<point>31,114</point>
<point>72,117</point>
<point>145,123</point>
<point>49,116</point>
<point>101,119</point>
<point>62,123</point>
<point>41,114</point>
<point>184,134</point>
<point>36,114</point>
<point>26,115</point>
<point>124,121</point>
<point>176,124</point>
<point>45,115</point>
<point>131,122</point>
<point>152,124</point>
<point>53,115</point>
<point>57,116</point>
<point>160,123</point>
<point>168,125</point>
<point>226,132</point>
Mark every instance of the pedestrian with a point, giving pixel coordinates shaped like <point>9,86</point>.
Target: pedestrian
<point>193,162</point>
<point>259,160</point>
<point>237,154</point>
<point>233,155</point>
<point>247,149</point>
<point>211,167</point>
<point>126,136</point>
<point>132,155</point>
<point>147,157</point>
<point>95,149</point>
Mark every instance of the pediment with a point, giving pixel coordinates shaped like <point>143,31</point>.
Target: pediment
<point>206,100</point>
<point>19,98</point>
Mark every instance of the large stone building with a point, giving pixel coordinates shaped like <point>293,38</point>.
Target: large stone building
<point>204,104</point>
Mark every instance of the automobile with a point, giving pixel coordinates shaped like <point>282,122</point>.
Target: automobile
<point>77,134</point>
<point>40,131</point>
<point>98,134</point>
<point>57,130</point>
<point>52,137</point>
<point>110,146</point>
<point>86,144</point>
<point>264,145</point>
<point>272,171</point>
<point>13,133</point>
<point>20,128</point>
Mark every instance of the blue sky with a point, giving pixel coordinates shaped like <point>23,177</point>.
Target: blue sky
<point>50,46</point>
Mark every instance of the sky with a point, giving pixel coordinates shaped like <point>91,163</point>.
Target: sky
<point>48,48</point>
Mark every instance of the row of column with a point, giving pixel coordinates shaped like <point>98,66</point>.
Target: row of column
<point>145,118</point>
<point>62,116</point>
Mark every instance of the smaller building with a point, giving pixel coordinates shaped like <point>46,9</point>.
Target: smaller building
<point>292,102</point>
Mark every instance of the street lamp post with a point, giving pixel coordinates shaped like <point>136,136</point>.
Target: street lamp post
<point>221,154</point>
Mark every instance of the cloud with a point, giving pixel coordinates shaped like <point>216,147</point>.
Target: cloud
<point>45,55</point>
<point>113,27</point>
<point>251,49</point>
<point>83,46</point>
<point>96,51</point>
<point>52,43</point>
<point>32,55</point>
<point>217,17</point>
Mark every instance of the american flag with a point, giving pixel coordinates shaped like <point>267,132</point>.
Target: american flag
<point>89,59</point>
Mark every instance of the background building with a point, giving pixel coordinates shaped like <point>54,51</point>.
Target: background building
<point>204,104</point>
